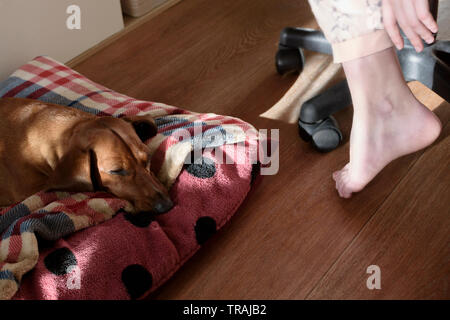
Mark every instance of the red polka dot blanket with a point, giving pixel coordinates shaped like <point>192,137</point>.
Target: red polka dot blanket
<point>59,245</point>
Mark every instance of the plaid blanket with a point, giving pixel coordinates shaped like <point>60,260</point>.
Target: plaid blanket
<point>50,216</point>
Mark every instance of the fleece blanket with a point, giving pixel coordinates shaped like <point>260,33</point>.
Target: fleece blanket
<point>122,255</point>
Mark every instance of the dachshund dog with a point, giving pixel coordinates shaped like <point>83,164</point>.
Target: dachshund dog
<point>50,147</point>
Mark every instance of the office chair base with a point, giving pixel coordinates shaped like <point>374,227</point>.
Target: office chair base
<point>430,67</point>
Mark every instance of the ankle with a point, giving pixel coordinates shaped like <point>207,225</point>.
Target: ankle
<point>369,108</point>
<point>394,99</point>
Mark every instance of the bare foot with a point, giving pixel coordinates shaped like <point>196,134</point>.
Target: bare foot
<point>388,122</point>
<point>381,137</point>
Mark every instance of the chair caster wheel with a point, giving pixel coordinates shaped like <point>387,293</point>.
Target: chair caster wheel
<point>324,135</point>
<point>289,60</point>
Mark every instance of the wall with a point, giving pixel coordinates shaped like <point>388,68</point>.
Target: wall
<point>29,28</point>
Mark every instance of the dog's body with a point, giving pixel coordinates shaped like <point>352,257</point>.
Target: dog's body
<point>50,147</point>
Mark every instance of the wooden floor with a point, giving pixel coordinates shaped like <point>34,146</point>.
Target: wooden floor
<point>293,238</point>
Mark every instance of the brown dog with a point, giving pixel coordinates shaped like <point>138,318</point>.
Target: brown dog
<point>45,146</point>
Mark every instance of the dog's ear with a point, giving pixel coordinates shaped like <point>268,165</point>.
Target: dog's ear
<point>144,126</point>
<point>77,171</point>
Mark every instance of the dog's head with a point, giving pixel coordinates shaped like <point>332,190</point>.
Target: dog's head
<point>108,154</point>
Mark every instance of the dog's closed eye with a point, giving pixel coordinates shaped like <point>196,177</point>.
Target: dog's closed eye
<point>119,172</point>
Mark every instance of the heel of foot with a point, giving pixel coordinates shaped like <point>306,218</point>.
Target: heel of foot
<point>433,128</point>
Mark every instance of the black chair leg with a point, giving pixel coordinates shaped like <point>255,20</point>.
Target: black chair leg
<point>308,39</point>
<point>315,121</point>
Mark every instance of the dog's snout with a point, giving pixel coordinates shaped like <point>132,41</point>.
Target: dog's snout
<point>163,205</point>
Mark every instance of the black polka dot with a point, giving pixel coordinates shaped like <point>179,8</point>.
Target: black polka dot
<point>140,219</point>
<point>256,171</point>
<point>205,169</point>
<point>204,229</point>
<point>137,280</point>
<point>59,260</point>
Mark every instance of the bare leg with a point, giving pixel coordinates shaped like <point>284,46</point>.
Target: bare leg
<point>388,121</point>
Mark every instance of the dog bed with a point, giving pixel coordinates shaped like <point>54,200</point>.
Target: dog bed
<point>85,245</point>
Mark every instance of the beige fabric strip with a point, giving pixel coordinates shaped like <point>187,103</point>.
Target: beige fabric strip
<point>353,27</point>
<point>362,46</point>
